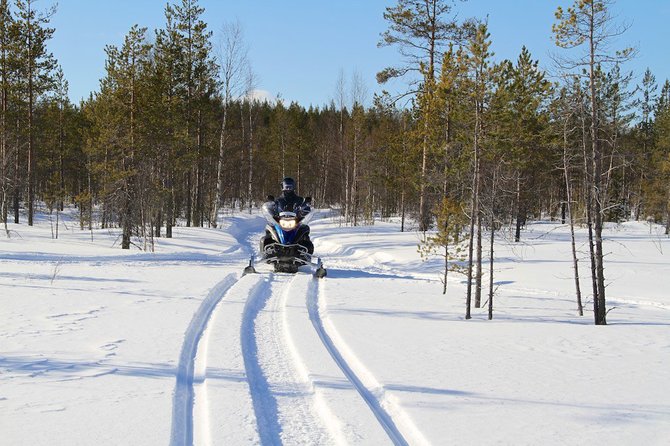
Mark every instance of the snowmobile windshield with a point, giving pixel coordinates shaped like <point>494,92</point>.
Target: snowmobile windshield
<point>268,211</point>
<point>307,215</point>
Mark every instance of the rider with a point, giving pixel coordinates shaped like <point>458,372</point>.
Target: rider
<point>289,201</point>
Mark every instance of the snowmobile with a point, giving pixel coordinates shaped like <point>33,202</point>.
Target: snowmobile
<point>286,242</point>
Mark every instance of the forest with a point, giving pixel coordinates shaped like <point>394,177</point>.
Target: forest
<point>472,150</point>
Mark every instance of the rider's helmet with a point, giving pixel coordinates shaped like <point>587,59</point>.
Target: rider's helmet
<point>288,185</point>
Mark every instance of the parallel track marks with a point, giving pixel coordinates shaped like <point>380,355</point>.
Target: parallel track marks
<point>184,395</point>
<point>373,402</point>
<point>265,404</point>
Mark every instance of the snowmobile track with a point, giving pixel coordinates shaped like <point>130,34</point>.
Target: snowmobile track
<point>283,401</point>
<point>265,405</point>
<point>183,398</point>
<point>370,399</point>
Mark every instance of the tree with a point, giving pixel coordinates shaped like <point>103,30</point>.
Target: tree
<point>480,84</point>
<point>8,50</point>
<point>588,22</point>
<point>122,125</point>
<point>447,241</point>
<point>564,107</point>
<point>528,91</point>
<point>195,71</point>
<point>421,30</point>
<point>233,68</point>
<point>36,65</point>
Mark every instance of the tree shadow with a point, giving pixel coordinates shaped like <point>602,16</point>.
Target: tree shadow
<point>339,273</point>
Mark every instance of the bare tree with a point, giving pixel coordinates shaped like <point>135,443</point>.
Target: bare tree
<point>358,94</point>
<point>250,82</point>
<point>234,66</point>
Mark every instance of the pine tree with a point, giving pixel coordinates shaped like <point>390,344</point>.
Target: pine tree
<point>121,123</point>
<point>8,54</point>
<point>528,90</point>
<point>480,88</point>
<point>447,241</point>
<point>36,67</point>
<point>588,22</point>
<point>421,31</point>
<point>196,74</point>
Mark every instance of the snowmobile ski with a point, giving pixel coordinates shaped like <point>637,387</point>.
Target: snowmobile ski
<point>320,272</point>
<point>250,268</point>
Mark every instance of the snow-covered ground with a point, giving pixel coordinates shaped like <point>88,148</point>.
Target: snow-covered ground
<point>104,346</point>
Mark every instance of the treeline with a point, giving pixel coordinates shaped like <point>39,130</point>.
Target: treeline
<point>174,133</point>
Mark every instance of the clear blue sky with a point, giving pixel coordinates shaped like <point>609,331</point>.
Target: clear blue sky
<point>299,47</point>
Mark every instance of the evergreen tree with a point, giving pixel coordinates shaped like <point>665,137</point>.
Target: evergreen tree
<point>480,89</point>
<point>588,22</point>
<point>528,93</point>
<point>447,241</point>
<point>196,74</point>
<point>122,125</point>
<point>36,67</point>
<point>422,30</point>
<point>8,88</point>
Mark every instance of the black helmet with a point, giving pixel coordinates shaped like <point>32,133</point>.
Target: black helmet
<point>288,184</point>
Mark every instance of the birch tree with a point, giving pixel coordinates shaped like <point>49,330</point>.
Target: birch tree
<point>234,69</point>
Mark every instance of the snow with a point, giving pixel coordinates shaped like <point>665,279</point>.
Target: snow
<point>104,346</point>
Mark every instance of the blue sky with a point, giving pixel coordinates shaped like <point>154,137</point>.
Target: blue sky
<point>299,47</point>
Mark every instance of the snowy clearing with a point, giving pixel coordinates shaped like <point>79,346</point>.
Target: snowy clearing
<point>104,346</point>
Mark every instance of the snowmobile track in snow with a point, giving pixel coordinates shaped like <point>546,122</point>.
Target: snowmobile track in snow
<point>265,405</point>
<point>282,399</point>
<point>373,402</point>
<point>183,398</point>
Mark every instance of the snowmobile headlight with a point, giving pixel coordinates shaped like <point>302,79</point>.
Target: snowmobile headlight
<point>288,224</point>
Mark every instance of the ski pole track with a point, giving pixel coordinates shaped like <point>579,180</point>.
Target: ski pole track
<point>184,394</point>
<point>283,399</point>
<point>393,419</point>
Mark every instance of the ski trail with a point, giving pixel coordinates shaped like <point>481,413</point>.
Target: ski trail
<point>286,372</point>
<point>335,400</point>
<point>221,388</point>
<point>264,402</point>
<point>184,396</point>
<point>397,424</point>
<point>284,403</point>
<point>302,369</point>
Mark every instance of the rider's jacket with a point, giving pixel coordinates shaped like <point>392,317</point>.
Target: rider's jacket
<point>289,201</point>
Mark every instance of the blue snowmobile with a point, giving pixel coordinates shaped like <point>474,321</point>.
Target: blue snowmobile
<point>286,243</point>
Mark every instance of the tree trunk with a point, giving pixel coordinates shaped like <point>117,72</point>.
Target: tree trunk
<point>568,203</point>
<point>601,313</point>
<point>474,214</point>
<point>189,200</point>
<point>423,212</point>
<point>250,182</point>
<point>493,233</point>
<point>169,219</point>
<point>17,165</point>
<point>588,186</point>
<point>220,163</point>
<point>478,276</point>
<point>446,257</point>
<point>519,207</point>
